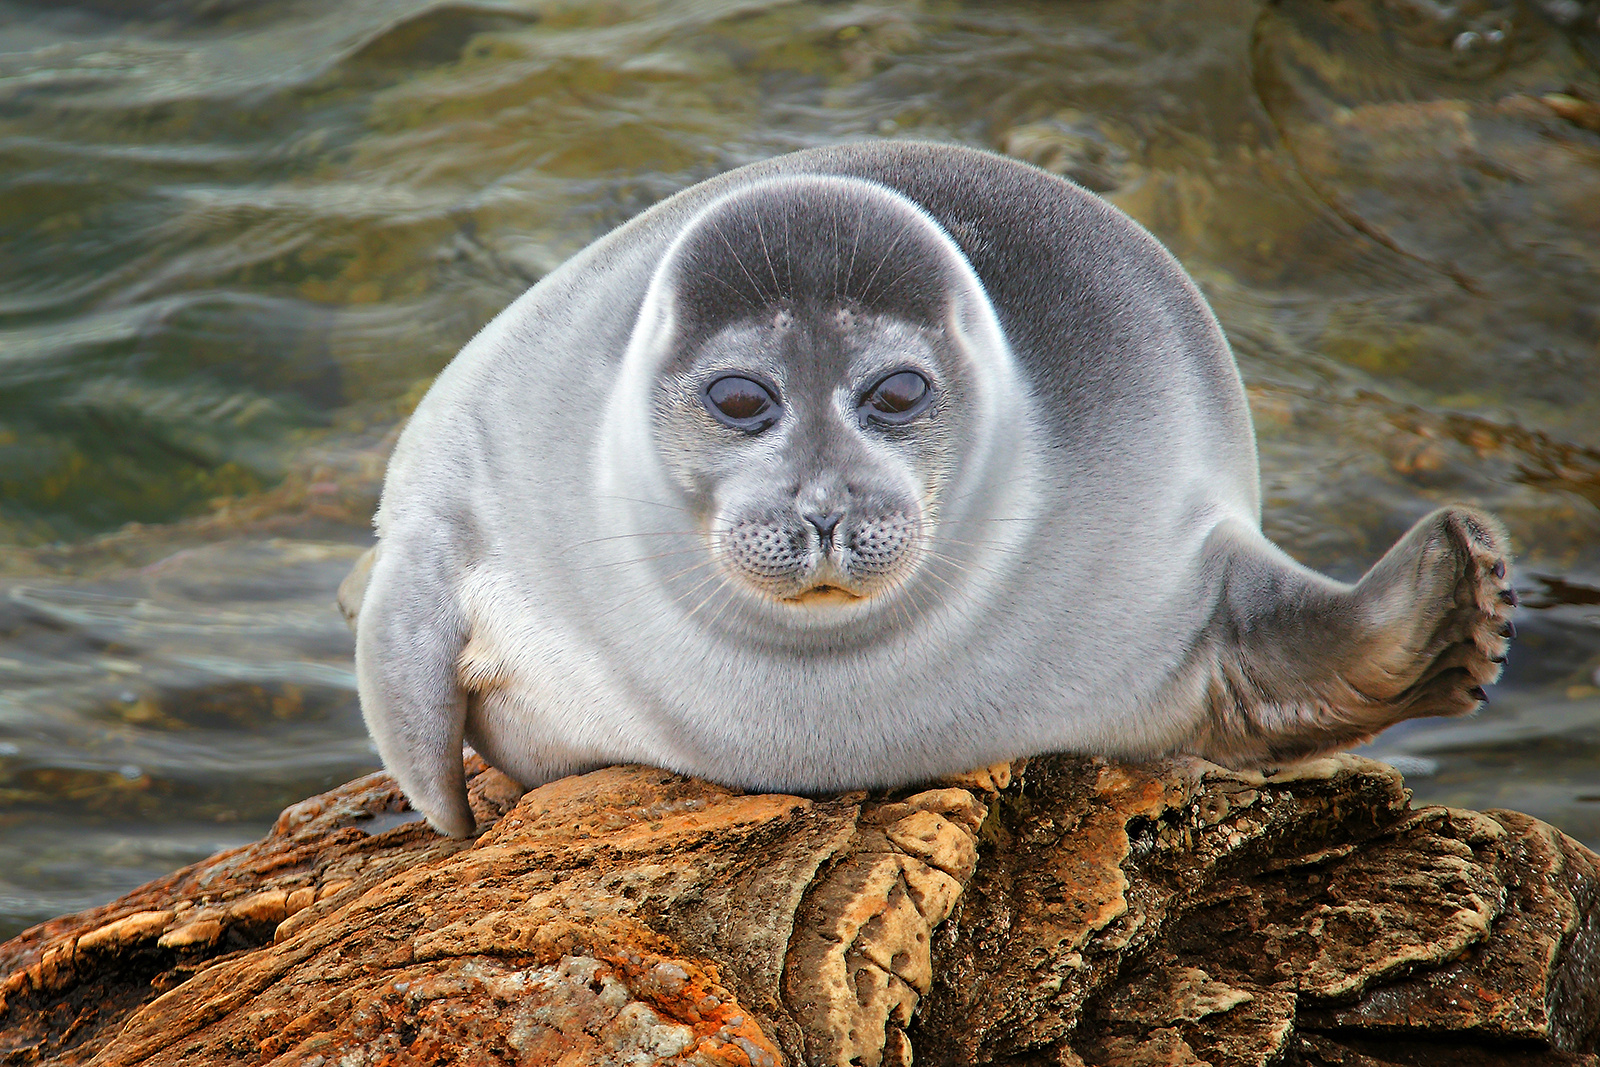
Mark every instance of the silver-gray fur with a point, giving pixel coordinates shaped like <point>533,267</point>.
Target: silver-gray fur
<point>579,564</point>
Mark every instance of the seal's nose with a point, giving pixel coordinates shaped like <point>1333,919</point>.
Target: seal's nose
<point>825,524</point>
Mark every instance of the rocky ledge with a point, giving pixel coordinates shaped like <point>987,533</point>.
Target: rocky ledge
<point>1073,912</point>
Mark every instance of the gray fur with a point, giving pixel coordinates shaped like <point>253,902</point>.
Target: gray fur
<point>578,566</point>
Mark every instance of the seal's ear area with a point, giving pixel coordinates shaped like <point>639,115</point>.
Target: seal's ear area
<point>409,637</point>
<point>971,317</point>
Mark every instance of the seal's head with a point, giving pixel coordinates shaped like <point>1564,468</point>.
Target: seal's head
<point>822,372</point>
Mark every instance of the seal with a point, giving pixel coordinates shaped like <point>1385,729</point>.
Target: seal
<point>864,466</point>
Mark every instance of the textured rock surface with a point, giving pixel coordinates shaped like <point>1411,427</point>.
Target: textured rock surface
<point>1086,913</point>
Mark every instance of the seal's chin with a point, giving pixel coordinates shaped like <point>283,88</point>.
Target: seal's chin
<point>820,595</point>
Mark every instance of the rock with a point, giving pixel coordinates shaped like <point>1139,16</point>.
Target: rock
<point>1080,912</point>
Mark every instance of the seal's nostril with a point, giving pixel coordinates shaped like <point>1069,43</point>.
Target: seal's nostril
<point>825,524</point>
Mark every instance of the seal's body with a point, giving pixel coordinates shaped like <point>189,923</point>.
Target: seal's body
<point>862,466</point>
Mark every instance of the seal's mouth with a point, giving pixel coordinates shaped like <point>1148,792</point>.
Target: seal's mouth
<point>818,595</point>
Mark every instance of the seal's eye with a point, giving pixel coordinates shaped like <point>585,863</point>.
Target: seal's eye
<point>741,403</point>
<point>899,398</point>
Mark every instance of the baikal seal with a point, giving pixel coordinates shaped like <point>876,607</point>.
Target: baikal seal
<point>864,466</point>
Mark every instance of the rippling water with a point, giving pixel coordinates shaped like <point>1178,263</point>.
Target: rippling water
<point>237,237</point>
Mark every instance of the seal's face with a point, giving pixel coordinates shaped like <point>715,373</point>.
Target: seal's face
<point>821,376</point>
<point>812,441</point>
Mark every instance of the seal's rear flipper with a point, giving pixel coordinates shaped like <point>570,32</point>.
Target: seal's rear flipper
<point>409,636</point>
<point>1295,664</point>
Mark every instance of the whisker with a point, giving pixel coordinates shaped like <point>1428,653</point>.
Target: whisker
<point>743,296</point>
<point>850,271</point>
<point>925,603</point>
<point>726,601</point>
<point>902,275</point>
<point>883,262</point>
<point>935,575</point>
<point>838,258</point>
<point>901,585</point>
<point>998,546</point>
<point>922,603</point>
<point>788,250</point>
<point>777,286</point>
<point>637,559</point>
<point>649,587</point>
<point>952,561</point>
<point>926,540</point>
<point>733,252</point>
<point>720,586</point>
<point>625,536</point>
<point>696,587</point>
<point>639,499</point>
<point>965,566</point>
<point>941,579</point>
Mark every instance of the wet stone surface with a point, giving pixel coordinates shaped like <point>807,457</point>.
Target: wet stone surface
<point>1067,911</point>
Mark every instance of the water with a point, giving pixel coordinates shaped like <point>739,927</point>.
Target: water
<point>237,239</point>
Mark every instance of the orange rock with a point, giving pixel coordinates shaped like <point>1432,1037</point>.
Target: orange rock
<point>126,931</point>
<point>202,933</point>
<point>1089,913</point>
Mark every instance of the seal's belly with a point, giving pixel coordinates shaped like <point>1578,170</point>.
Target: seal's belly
<point>540,709</point>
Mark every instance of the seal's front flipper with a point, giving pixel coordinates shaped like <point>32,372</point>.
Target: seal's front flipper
<point>353,590</point>
<point>409,635</point>
<point>1296,664</point>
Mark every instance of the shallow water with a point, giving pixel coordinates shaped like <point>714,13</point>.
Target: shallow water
<point>237,239</point>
